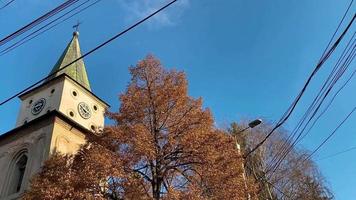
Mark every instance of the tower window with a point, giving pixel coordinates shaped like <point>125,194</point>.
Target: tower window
<point>18,173</point>
<point>30,101</point>
<point>95,107</point>
<point>52,91</point>
<point>75,93</point>
<point>71,113</point>
<point>21,167</point>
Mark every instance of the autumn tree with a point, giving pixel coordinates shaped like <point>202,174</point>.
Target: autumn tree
<point>163,145</point>
<point>297,177</point>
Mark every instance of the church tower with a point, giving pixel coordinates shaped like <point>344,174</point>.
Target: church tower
<point>55,116</point>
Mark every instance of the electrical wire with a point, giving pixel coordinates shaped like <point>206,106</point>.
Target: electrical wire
<point>338,27</point>
<point>325,94</point>
<point>312,106</point>
<point>39,20</point>
<point>331,134</point>
<point>38,32</point>
<point>300,134</point>
<point>332,99</point>
<point>6,4</point>
<point>301,161</point>
<point>294,104</point>
<point>336,154</point>
<point>290,137</point>
<point>327,91</point>
<point>89,52</point>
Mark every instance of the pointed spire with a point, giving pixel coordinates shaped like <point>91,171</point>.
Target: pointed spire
<point>76,70</point>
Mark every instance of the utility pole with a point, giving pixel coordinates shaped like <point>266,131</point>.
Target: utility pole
<point>252,124</point>
<point>262,180</point>
<point>244,175</point>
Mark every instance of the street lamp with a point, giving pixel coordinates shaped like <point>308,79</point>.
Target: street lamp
<point>255,123</point>
<point>252,124</point>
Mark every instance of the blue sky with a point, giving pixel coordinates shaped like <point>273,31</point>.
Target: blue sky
<point>246,59</point>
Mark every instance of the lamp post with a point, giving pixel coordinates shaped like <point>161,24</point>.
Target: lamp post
<point>252,124</point>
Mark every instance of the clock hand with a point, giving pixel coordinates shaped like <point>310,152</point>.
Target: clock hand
<point>83,109</point>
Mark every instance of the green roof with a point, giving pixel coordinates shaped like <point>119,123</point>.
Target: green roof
<point>76,70</point>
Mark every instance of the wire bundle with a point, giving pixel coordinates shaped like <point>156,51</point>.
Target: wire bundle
<point>48,22</point>
<point>303,126</point>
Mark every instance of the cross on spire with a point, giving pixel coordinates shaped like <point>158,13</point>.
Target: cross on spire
<point>76,26</point>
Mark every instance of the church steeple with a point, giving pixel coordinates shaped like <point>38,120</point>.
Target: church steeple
<point>56,116</point>
<point>76,70</point>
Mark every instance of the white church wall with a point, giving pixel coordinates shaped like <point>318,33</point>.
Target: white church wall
<point>73,95</point>
<point>65,138</point>
<point>50,92</point>
<point>34,142</point>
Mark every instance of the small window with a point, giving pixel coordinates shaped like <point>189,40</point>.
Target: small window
<point>30,102</point>
<point>52,91</point>
<point>74,93</point>
<point>95,107</point>
<point>92,127</point>
<point>71,113</point>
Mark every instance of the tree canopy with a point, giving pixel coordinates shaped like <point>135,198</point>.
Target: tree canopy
<point>297,177</point>
<point>163,145</point>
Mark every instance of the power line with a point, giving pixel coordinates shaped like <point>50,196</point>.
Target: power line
<point>333,98</point>
<point>39,20</point>
<point>294,104</point>
<point>312,106</point>
<point>338,27</point>
<point>45,28</point>
<point>326,139</point>
<point>331,134</point>
<point>318,101</point>
<point>338,153</point>
<point>6,4</point>
<point>90,52</point>
<point>300,136</point>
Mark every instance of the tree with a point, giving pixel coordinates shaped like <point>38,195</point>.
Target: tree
<point>297,176</point>
<point>163,146</point>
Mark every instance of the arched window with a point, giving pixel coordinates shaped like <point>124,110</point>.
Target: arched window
<point>18,172</point>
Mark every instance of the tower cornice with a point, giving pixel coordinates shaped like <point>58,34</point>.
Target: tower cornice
<point>48,116</point>
<point>58,78</point>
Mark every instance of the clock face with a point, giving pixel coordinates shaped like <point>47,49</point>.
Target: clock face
<point>84,110</point>
<point>38,106</point>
